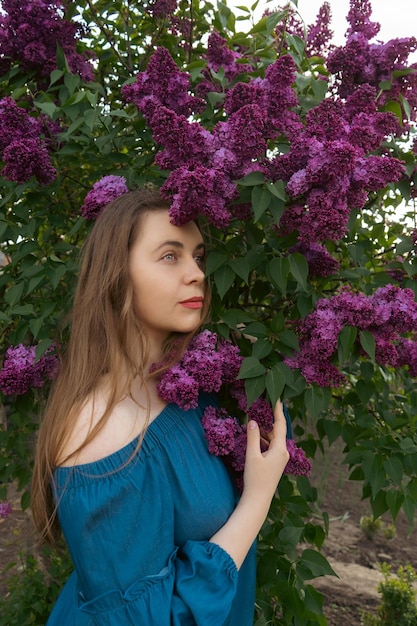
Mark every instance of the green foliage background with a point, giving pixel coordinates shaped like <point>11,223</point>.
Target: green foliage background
<point>258,286</point>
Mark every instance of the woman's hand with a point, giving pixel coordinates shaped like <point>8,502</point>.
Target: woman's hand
<point>262,473</point>
<point>263,470</point>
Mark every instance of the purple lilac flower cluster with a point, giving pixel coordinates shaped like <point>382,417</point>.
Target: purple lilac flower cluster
<point>30,32</point>
<point>5,509</point>
<point>317,36</point>
<point>219,55</point>
<point>388,314</point>
<point>21,371</point>
<point>205,165</point>
<point>320,261</point>
<point>328,170</point>
<point>23,147</point>
<point>209,364</point>
<point>103,191</point>
<point>361,62</point>
<point>162,9</point>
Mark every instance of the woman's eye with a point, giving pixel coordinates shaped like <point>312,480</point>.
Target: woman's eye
<point>169,256</point>
<point>201,261</point>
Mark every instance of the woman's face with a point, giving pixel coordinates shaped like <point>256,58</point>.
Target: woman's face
<point>166,269</point>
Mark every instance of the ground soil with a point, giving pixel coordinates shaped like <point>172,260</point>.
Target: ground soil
<point>353,556</point>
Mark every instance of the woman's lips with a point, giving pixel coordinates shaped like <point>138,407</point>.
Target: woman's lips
<point>193,303</point>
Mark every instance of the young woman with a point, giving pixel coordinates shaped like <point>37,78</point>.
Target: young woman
<point>151,519</point>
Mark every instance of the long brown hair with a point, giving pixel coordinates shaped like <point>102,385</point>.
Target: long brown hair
<point>103,325</point>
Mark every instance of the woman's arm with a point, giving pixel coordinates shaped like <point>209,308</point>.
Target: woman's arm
<point>263,471</point>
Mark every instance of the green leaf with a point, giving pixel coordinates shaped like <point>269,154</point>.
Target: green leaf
<point>315,401</point>
<point>254,387</point>
<point>394,468</point>
<point>345,342</point>
<point>313,564</point>
<point>241,267</point>
<point>278,270</point>
<point>261,199</point>
<point>275,381</point>
<point>215,259</point>
<point>250,368</point>
<point>262,348</point>
<point>235,317</point>
<point>223,279</point>
<point>368,343</point>
<point>253,178</point>
<point>49,108</point>
<point>299,269</point>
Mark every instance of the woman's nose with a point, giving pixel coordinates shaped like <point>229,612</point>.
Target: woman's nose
<point>194,273</point>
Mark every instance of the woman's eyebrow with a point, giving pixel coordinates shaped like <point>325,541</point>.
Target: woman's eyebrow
<point>177,244</point>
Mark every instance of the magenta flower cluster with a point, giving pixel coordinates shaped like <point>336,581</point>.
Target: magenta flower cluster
<point>320,261</point>
<point>317,36</point>
<point>208,365</point>
<point>24,148</point>
<point>205,164</point>
<point>5,509</point>
<point>162,9</point>
<point>360,62</point>
<point>103,191</point>
<point>328,170</point>
<point>220,57</point>
<point>30,32</point>
<point>389,314</point>
<point>21,371</point>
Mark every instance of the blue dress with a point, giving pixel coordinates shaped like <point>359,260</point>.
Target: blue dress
<point>137,527</point>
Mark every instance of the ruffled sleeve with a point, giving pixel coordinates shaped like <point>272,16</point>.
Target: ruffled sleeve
<point>195,589</point>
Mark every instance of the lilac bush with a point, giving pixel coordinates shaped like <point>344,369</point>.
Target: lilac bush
<point>103,191</point>
<point>29,34</point>
<point>23,145</point>
<point>208,365</point>
<point>387,314</point>
<point>21,371</point>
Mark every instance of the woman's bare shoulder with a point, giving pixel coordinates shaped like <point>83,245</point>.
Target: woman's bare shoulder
<point>123,423</point>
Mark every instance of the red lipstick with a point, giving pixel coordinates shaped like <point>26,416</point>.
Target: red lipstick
<point>193,303</point>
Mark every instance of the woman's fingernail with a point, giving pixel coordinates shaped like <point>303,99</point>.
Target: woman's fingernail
<point>252,425</point>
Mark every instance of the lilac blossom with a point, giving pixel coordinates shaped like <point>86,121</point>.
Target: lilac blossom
<point>162,9</point>
<point>387,314</point>
<point>21,371</point>
<point>103,191</point>
<point>220,430</point>
<point>329,170</point>
<point>23,148</point>
<point>298,464</point>
<point>360,62</point>
<point>220,56</point>
<point>25,158</point>
<point>320,261</point>
<point>204,165</point>
<point>30,32</point>
<point>206,365</point>
<point>317,36</point>
<point>164,84</point>
<point>5,509</point>
<point>179,387</point>
<point>261,412</point>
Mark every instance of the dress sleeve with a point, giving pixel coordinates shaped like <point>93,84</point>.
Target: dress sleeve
<point>196,588</point>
